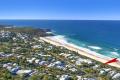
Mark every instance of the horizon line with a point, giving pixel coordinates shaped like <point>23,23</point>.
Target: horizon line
<point>68,19</point>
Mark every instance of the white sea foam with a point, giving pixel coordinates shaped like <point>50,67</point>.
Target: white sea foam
<point>115,53</point>
<point>63,40</point>
<point>59,38</point>
<point>49,32</point>
<point>95,47</point>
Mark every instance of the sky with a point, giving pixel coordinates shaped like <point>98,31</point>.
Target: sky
<point>60,9</point>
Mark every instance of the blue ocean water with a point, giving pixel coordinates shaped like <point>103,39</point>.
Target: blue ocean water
<point>101,33</point>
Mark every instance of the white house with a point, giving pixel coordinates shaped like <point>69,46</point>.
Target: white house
<point>64,77</point>
<point>73,69</point>
<point>116,76</point>
<point>19,72</point>
<point>31,60</point>
<point>36,46</point>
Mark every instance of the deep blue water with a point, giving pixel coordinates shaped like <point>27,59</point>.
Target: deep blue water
<point>105,34</point>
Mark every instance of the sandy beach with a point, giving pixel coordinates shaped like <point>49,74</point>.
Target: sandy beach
<point>81,51</point>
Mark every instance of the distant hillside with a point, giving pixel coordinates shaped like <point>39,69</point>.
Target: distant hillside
<point>28,30</point>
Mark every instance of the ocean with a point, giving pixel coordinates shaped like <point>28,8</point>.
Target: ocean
<point>101,36</point>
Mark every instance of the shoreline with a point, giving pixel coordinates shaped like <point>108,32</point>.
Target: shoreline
<point>80,50</point>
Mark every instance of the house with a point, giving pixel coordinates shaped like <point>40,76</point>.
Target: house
<point>65,55</point>
<point>9,68</point>
<point>19,56</point>
<point>96,66</point>
<point>49,48</point>
<point>60,67</point>
<point>45,55</point>
<point>37,61</point>
<point>107,69</point>
<point>14,70</point>
<point>80,78</point>
<point>116,76</point>
<point>7,65</point>
<point>40,40</point>
<point>69,66</point>
<point>65,77</point>
<point>57,64</point>
<point>111,73</point>
<point>50,59</point>
<point>5,55</point>
<point>41,53</point>
<point>14,38</point>
<point>80,60</point>
<point>102,72</point>
<point>73,69</point>
<point>88,79</point>
<point>51,65</point>
<point>20,72</point>
<point>36,46</point>
<point>31,60</point>
<point>1,54</point>
<point>14,64</point>
<point>42,63</point>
